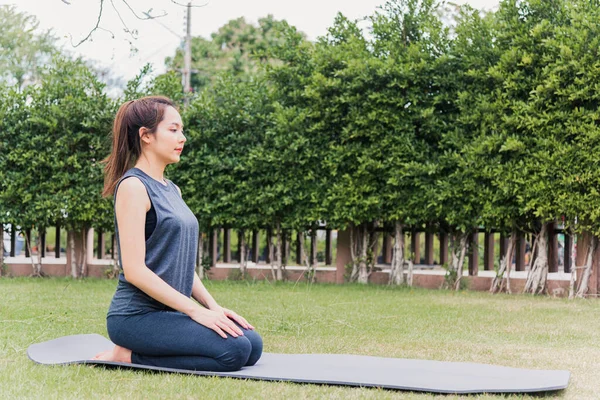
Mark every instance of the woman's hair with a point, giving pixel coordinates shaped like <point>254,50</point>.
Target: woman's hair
<point>145,112</point>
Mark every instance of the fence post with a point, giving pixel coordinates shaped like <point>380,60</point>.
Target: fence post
<point>387,248</point>
<point>43,244</point>
<point>429,248</point>
<point>57,242</point>
<point>520,260</point>
<point>474,254</point>
<point>113,245</point>
<point>255,245</point>
<point>313,247</point>
<point>227,245</point>
<point>552,248</point>
<point>299,244</point>
<point>13,240</point>
<point>443,248</point>
<point>343,256</point>
<point>269,234</point>
<point>415,246</point>
<point>240,234</point>
<point>328,248</point>
<point>488,252</point>
<point>212,246</point>
<point>567,253</point>
<point>100,245</point>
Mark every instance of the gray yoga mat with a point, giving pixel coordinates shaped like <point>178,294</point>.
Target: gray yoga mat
<point>336,369</point>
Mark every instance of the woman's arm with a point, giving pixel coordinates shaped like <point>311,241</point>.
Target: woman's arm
<point>200,293</point>
<point>131,204</point>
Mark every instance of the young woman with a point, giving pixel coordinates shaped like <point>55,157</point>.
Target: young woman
<point>152,318</point>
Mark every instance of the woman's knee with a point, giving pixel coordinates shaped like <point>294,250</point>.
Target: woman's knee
<point>257,346</point>
<point>237,353</point>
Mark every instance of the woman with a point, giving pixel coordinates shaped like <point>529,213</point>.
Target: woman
<point>153,319</point>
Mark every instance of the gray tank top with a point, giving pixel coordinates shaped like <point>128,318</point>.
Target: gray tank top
<point>170,250</point>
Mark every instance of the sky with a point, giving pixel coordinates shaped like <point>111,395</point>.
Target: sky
<point>159,38</point>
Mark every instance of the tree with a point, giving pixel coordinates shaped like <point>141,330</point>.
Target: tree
<point>167,84</point>
<point>225,125</point>
<point>24,49</point>
<point>295,147</point>
<point>566,104</point>
<point>57,134</point>
<point>237,48</point>
<point>463,186</point>
<point>529,136</point>
<point>336,106</point>
<point>404,111</point>
<point>13,114</point>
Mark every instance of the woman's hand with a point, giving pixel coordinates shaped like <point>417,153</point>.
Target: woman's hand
<point>237,318</point>
<point>218,321</point>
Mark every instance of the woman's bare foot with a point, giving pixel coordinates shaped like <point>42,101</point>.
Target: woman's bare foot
<point>117,354</point>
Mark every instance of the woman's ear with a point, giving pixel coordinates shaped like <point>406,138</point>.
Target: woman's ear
<point>144,135</point>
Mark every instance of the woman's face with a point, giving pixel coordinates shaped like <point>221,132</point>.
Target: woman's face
<point>168,138</point>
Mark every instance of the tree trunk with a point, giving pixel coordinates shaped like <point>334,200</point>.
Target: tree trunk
<point>360,247</point>
<point>461,260</point>
<point>363,275</point>
<point>573,267</point>
<point>309,272</point>
<point>82,266</point>
<point>397,268</point>
<point>587,270</point>
<point>34,270</point>
<point>459,251</point>
<point>538,274</point>
<point>354,274</point>
<point>534,252</point>
<point>374,251</point>
<point>71,236</point>
<point>243,258</point>
<point>38,239</point>
<point>503,272</point>
<point>277,251</point>
<point>200,257</point>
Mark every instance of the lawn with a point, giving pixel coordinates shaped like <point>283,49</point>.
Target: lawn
<point>516,331</point>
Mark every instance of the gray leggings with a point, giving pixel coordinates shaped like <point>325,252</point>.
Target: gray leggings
<point>172,339</point>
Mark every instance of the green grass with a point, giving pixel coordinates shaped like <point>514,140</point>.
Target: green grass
<point>517,331</point>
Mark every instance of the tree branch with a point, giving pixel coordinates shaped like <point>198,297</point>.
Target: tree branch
<point>126,29</point>
<point>148,16</point>
<point>93,29</point>
<point>132,33</point>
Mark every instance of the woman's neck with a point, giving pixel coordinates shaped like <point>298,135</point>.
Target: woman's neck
<point>155,170</point>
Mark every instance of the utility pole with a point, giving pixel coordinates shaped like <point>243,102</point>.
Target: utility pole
<point>187,68</point>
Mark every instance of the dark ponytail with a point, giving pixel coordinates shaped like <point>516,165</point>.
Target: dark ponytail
<point>146,112</point>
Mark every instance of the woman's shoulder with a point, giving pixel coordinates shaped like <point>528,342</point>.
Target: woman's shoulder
<point>133,190</point>
<point>132,186</point>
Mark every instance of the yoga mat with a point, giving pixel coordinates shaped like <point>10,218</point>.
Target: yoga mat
<point>335,369</point>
